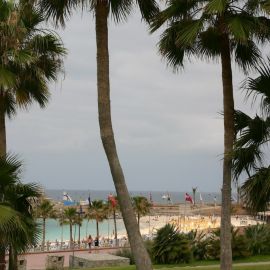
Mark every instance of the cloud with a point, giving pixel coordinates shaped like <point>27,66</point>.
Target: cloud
<point>167,125</point>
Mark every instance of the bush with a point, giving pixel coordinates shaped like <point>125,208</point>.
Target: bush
<point>171,247</point>
<point>126,252</point>
<point>258,239</point>
<point>199,244</point>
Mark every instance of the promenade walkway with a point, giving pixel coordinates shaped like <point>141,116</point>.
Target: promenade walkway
<point>36,261</point>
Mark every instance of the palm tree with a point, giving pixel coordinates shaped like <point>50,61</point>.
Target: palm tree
<point>97,211</point>
<point>16,202</point>
<point>141,207</point>
<point>45,210</point>
<point>216,29</point>
<point>113,208</point>
<point>30,58</point>
<point>60,10</point>
<point>252,139</point>
<point>78,221</point>
<point>194,189</point>
<point>69,215</point>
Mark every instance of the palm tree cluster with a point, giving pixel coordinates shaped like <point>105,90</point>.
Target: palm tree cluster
<point>252,140</point>
<point>18,228</point>
<point>219,30</point>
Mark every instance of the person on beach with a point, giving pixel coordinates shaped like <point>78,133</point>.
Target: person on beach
<point>89,242</point>
<point>96,242</point>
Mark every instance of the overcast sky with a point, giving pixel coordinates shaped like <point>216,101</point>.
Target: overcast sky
<point>168,127</point>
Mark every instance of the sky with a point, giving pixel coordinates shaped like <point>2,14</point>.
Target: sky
<point>168,126</point>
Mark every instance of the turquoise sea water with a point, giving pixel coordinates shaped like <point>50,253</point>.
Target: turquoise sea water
<point>55,232</point>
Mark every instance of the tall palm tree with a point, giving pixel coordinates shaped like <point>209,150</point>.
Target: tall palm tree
<point>69,215</point>
<point>252,139</point>
<point>222,30</point>
<point>60,10</point>
<point>31,56</point>
<point>97,211</point>
<point>141,207</point>
<point>16,202</point>
<point>45,210</point>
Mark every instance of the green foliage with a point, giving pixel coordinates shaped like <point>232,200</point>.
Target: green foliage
<point>199,243</point>
<point>258,238</point>
<point>169,246</point>
<point>127,253</point>
<point>31,56</point>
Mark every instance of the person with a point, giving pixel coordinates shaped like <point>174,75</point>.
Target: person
<point>89,242</point>
<point>96,242</point>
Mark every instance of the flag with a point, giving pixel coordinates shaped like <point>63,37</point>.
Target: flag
<point>188,198</point>
<point>112,200</point>
<point>150,198</point>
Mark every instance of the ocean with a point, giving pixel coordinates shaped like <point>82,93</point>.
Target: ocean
<point>176,197</point>
<point>55,232</point>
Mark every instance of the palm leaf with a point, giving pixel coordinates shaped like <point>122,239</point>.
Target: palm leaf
<point>256,190</point>
<point>216,6</point>
<point>241,121</point>
<point>241,26</point>
<point>188,31</point>
<point>121,9</point>
<point>259,87</point>
<point>246,160</point>
<point>59,11</point>
<point>247,55</point>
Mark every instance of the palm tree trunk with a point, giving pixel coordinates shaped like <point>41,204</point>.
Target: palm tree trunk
<point>228,105</point>
<point>3,151</point>
<point>141,256</point>
<point>43,233</point>
<point>10,258</point>
<point>97,227</point>
<point>139,221</point>
<point>115,227</point>
<point>3,145</point>
<point>2,258</point>
<point>79,237</point>
<point>13,258</point>
<point>70,234</point>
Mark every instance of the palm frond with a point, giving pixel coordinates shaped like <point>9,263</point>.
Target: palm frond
<point>256,133</point>
<point>216,6</point>
<point>246,160</point>
<point>148,9</point>
<point>256,190</point>
<point>121,9</point>
<point>241,121</point>
<point>188,31</point>
<point>259,87</point>
<point>174,54</point>
<point>208,43</point>
<point>247,55</point>
<point>241,26</point>
<point>59,11</point>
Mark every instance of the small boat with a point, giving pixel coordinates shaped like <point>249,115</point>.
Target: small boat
<point>67,200</point>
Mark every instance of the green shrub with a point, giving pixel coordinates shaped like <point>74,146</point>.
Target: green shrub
<point>171,247</point>
<point>126,252</point>
<point>258,239</point>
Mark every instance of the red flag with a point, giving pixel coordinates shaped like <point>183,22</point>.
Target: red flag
<point>112,200</point>
<point>188,198</point>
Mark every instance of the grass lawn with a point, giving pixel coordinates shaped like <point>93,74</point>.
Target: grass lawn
<point>132,267</point>
<point>205,265</point>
